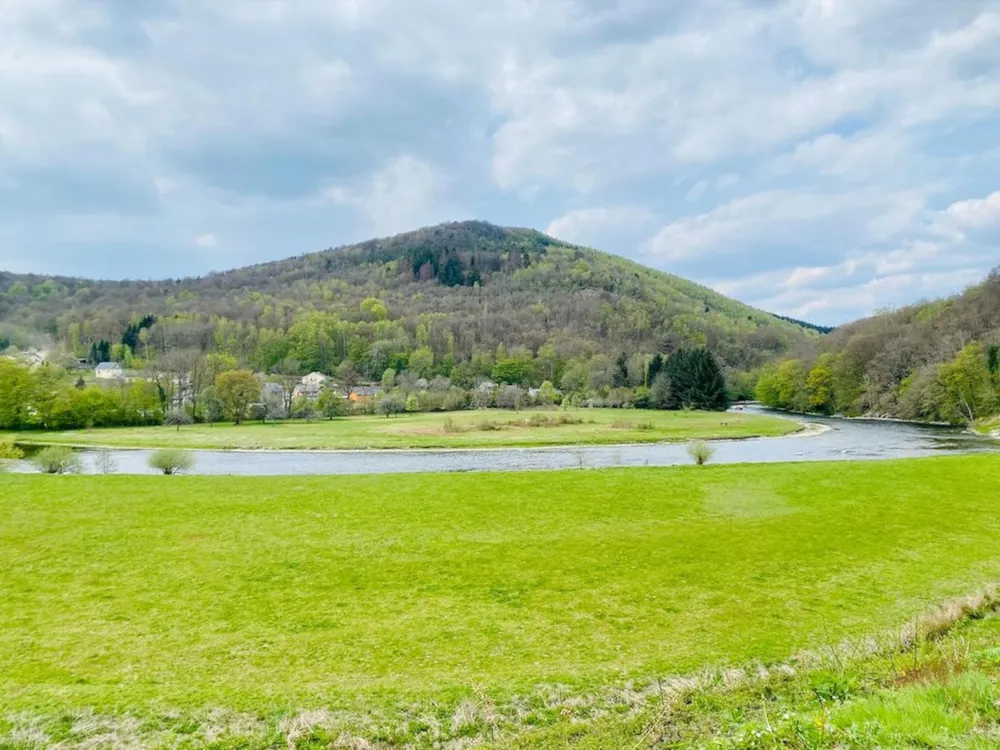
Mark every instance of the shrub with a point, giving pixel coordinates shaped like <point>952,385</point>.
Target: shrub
<point>57,459</point>
<point>510,397</point>
<point>488,425</point>
<point>9,451</point>
<point>104,462</point>
<point>171,461</point>
<point>701,453</point>
<point>452,427</point>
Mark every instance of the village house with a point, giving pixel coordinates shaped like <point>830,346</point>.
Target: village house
<point>109,371</point>
<point>365,393</point>
<point>317,379</point>
<point>307,390</point>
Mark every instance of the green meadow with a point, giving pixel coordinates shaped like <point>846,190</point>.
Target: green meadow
<point>463,429</point>
<point>417,609</point>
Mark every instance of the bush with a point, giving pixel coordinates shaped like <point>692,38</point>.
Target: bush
<point>104,462</point>
<point>510,397</point>
<point>57,459</point>
<point>171,461</point>
<point>9,451</point>
<point>701,453</point>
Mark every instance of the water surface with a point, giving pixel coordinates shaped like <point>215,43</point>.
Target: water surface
<point>843,440</point>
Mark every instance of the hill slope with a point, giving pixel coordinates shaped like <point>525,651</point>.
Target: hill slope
<point>460,290</point>
<point>937,360</point>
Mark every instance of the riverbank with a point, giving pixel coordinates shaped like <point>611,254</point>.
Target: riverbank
<point>397,610</point>
<point>438,431</point>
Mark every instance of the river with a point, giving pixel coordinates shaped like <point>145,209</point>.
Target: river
<point>837,440</point>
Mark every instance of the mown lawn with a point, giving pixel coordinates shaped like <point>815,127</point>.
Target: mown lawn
<point>172,599</point>
<point>467,429</point>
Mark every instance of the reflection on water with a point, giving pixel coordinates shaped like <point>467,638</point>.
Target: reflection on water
<point>843,440</point>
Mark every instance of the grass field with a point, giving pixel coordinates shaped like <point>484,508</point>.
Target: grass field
<point>466,429</point>
<point>407,608</point>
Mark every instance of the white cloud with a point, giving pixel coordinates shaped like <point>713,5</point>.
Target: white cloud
<point>207,241</point>
<point>696,191</point>
<point>584,226</point>
<point>977,212</point>
<point>403,194</point>
<point>776,149</point>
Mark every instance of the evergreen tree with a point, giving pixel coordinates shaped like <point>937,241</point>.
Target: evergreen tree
<point>620,377</point>
<point>452,274</point>
<point>654,369</point>
<point>696,381</point>
<point>708,389</point>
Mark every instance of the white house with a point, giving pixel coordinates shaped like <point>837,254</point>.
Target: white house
<point>109,371</point>
<point>306,390</point>
<point>317,379</point>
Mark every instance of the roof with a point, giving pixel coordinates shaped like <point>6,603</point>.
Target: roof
<point>368,390</point>
<point>105,366</point>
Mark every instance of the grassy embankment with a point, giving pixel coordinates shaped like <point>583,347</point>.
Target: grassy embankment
<point>420,609</point>
<point>989,427</point>
<point>465,429</point>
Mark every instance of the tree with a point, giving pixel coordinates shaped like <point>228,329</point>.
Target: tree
<point>303,408</point>
<point>331,404</point>
<point>237,390</point>
<point>17,389</point>
<point>203,374</point>
<point>575,376</point>
<point>707,382</point>
<point>510,397</point>
<point>819,385</point>
<point>375,308</point>
<point>212,408</point>
<point>783,386</point>
<point>389,378</point>
<point>547,394</point>
<point>620,376</point>
<point>968,388</point>
<point>389,404</point>
<point>177,418</point>
<point>421,363</point>
<point>348,376</point>
<point>288,374</point>
<point>660,395</point>
<point>654,369</point>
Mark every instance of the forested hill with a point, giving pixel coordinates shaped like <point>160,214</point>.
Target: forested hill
<point>462,291</point>
<point>937,361</point>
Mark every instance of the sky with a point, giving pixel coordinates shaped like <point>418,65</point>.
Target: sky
<point>822,159</point>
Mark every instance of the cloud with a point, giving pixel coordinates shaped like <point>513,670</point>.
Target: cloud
<point>585,225</point>
<point>206,241</point>
<point>773,148</point>
<point>403,194</point>
<point>975,212</point>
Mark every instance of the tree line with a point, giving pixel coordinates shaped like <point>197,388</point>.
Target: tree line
<point>934,361</point>
<point>455,300</point>
<point>181,390</point>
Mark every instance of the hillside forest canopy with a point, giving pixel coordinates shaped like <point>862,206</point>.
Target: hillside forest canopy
<point>933,361</point>
<point>431,315</point>
<point>428,316</point>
